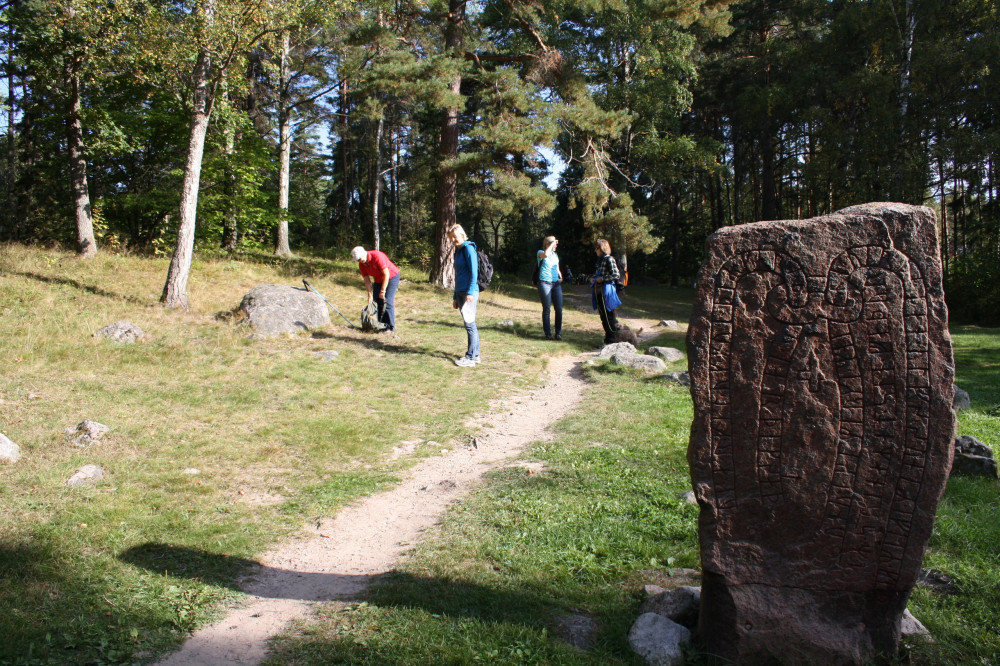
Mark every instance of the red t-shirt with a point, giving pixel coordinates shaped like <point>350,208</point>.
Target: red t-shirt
<point>375,266</point>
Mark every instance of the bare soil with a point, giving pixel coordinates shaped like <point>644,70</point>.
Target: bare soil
<point>337,558</point>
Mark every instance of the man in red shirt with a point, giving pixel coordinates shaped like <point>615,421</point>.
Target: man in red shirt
<point>381,281</point>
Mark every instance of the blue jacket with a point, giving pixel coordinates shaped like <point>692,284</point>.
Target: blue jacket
<point>466,269</point>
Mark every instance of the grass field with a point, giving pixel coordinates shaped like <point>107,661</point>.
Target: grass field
<point>120,571</point>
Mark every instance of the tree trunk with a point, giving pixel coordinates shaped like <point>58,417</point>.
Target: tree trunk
<point>442,269</point>
<point>377,185</point>
<point>284,147</point>
<point>345,162</point>
<point>175,289</point>
<point>86,245</point>
<point>230,224</point>
<point>11,135</point>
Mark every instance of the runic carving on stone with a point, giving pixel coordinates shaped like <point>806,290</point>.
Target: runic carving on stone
<point>821,371</point>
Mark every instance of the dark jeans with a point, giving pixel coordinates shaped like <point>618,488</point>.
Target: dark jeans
<point>551,295</point>
<point>387,307</point>
<point>609,320</point>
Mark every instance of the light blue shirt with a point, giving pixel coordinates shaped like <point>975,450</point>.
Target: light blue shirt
<point>548,270</point>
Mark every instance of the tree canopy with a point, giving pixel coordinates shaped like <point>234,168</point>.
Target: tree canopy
<point>326,125</point>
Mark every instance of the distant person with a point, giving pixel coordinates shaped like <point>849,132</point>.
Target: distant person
<point>550,286</point>
<point>381,282</point>
<point>604,289</point>
<point>466,296</point>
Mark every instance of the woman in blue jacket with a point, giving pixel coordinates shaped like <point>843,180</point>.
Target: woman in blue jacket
<point>466,296</point>
<point>550,286</point>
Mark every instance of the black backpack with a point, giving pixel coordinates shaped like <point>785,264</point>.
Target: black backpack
<point>485,270</point>
<point>369,319</point>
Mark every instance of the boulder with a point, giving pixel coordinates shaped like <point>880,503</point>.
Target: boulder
<point>272,309</point>
<point>121,331</point>
<point>668,354</point>
<point>607,351</point>
<point>86,433</point>
<point>328,355</point>
<point>9,451</point>
<point>638,361</point>
<point>85,476</point>
<point>658,641</point>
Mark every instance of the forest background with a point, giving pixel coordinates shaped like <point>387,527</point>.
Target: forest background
<point>260,126</point>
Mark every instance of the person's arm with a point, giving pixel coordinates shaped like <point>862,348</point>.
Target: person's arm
<point>368,286</point>
<point>385,281</point>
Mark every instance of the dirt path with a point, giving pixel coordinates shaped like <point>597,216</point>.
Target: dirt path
<point>338,558</point>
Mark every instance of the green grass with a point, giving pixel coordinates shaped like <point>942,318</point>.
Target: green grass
<point>530,548</point>
<point>118,572</point>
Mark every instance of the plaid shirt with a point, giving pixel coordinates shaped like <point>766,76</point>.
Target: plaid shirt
<point>607,269</point>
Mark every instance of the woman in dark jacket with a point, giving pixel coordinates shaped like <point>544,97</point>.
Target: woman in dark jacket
<point>604,290</point>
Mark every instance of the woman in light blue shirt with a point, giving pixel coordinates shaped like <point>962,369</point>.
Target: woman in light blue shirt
<point>550,286</point>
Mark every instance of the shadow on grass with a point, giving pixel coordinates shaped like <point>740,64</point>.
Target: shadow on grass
<point>52,612</point>
<point>69,282</point>
<point>433,595</point>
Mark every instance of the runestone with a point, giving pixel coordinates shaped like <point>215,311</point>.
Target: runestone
<point>822,377</point>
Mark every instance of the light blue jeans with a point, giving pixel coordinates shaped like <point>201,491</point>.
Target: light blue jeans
<point>468,310</point>
<point>552,296</point>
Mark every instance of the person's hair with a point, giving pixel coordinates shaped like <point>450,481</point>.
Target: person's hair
<point>456,231</point>
<point>359,254</point>
<point>547,242</point>
<point>603,245</point>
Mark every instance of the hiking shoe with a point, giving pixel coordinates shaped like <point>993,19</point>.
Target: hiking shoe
<point>465,362</point>
<point>558,337</point>
<point>477,360</point>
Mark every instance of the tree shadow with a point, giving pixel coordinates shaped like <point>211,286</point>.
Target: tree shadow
<point>69,282</point>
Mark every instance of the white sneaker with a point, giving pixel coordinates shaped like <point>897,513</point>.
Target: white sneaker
<point>465,362</point>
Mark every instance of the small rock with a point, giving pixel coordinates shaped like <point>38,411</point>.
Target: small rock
<point>617,348</point>
<point>682,378</point>
<point>327,355</point>
<point>506,323</point>
<point>966,465</point>
<point>668,354</point>
<point>192,470</point>
<point>688,497</point>
<point>577,630</point>
<point>121,331</point>
<point>9,451</point>
<point>669,323</point>
<point>680,605</point>
<point>657,640</point>
<point>85,476</point>
<point>86,433</point>
<point>650,590</point>
<point>972,446</point>
<point>911,627</point>
<point>961,400</point>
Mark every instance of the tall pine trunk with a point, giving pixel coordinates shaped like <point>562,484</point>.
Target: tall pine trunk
<point>284,147</point>
<point>86,245</point>
<point>378,184</point>
<point>175,289</point>
<point>442,269</point>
